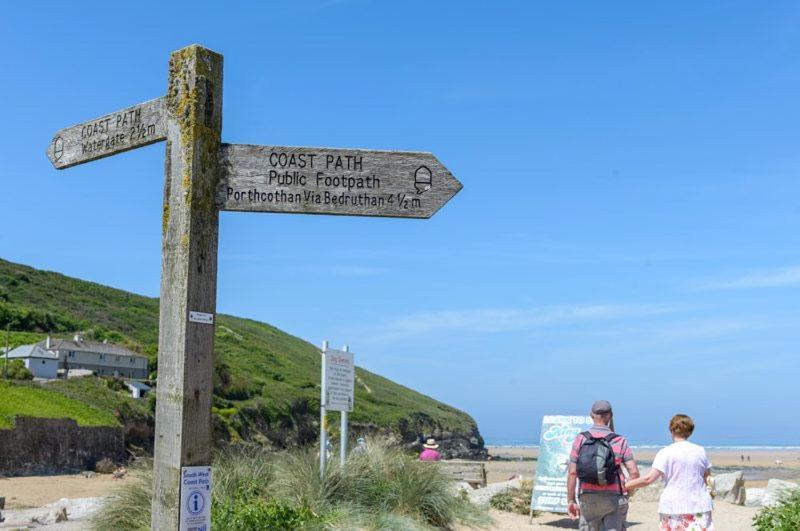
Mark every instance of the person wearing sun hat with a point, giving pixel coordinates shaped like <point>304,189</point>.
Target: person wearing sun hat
<point>430,451</point>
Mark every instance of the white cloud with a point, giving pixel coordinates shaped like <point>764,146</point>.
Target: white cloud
<point>510,319</point>
<point>775,278</point>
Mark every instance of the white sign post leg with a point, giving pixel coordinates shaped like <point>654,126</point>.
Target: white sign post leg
<point>343,429</point>
<point>323,421</point>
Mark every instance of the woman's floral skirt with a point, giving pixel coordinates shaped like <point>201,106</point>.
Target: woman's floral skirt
<point>686,522</point>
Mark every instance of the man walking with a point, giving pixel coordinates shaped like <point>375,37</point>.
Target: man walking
<point>596,462</point>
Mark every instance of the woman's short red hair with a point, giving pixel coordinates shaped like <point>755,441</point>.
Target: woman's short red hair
<point>681,425</point>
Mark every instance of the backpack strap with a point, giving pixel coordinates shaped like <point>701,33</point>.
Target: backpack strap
<point>608,438</point>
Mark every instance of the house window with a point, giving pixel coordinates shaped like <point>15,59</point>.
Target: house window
<point>42,362</point>
<point>101,356</point>
<point>132,360</point>
<point>71,354</point>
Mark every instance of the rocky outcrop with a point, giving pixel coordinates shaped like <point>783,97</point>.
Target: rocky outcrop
<point>300,427</point>
<point>484,496</point>
<point>452,445</point>
<point>77,511</point>
<point>771,495</point>
<point>776,488</point>
<point>51,446</point>
<point>730,488</point>
<point>755,497</point>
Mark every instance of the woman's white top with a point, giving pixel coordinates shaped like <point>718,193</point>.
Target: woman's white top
<point>683,465</point>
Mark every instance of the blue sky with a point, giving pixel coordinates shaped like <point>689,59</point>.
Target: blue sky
<point>628,227</point>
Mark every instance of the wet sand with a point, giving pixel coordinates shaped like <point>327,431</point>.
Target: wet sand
<point>763,464</point>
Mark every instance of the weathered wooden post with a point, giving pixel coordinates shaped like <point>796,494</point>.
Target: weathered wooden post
<point>202,177</point>
<point>188,275</point>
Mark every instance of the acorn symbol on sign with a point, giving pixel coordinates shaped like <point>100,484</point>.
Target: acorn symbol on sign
<point>423,179</point>
<point>58,148</point>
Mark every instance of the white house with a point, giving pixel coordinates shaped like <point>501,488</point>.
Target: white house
<point>42,363</point>
<point>105,359</point>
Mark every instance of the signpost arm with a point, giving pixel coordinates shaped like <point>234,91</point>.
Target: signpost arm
<point>323,421</point>
<point>188,275</point>
<point>343,430</point>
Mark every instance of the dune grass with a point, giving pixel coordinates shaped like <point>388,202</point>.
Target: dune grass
<point>380,489</point>
<point>29,400</point>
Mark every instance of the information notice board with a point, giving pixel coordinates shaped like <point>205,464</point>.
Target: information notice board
<point>340,373</point>
<point>550,483</point>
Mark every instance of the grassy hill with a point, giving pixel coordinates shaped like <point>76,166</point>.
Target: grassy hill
<point>266,382</point>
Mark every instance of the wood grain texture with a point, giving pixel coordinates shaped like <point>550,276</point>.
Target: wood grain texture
<point>188,275</point>
<point>113,133</point>
<point>350,182</point>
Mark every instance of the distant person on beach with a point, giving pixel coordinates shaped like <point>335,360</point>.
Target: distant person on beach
<point>685,502</point>
<point>595,472</point>
<point>430,451</point>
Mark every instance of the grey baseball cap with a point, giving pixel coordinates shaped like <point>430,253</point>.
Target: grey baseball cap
<point>601,407</point>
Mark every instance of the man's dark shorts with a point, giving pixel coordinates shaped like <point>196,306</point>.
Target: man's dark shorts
<point>603,511</point>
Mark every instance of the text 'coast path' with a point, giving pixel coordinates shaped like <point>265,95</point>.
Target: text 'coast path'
<point>351,182</point>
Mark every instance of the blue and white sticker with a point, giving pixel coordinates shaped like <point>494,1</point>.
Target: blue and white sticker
<point>195,508</point>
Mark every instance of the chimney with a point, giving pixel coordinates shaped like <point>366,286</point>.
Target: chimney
<point>77,338</point>
<point>47,342</point>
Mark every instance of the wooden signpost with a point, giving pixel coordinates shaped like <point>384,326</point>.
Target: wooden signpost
<point>349,182</point>
<point>201,177</point>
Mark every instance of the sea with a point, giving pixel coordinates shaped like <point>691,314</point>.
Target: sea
<point>751,473</point>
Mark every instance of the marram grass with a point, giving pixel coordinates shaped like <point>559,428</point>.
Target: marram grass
<point>254,489</point>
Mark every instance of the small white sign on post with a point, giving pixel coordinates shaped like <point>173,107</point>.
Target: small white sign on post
<point>201,317</point>
<point>340,374</point>
<point>195,508</point>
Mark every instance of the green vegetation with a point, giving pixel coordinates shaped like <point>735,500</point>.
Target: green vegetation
<point>254,490</point>
<point>785,516</point>
<point>263,376</point>
<point>30,400</point>
<point>16,370</point>
<point>515,500</point>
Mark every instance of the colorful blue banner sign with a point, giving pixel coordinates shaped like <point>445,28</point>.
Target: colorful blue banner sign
<point>550,483</point>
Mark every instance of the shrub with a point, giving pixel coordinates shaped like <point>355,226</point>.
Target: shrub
<point>254,489</point>
<point>255,515</point>
<point>105,466</point>
<point>785,516</point>
<point>116,384</point>
<point>17,370</point>
<point>514,500</point>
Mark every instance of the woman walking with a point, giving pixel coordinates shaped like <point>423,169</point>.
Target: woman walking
<point>685,504</point>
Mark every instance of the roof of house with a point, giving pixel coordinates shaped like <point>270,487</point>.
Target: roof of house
<point>82,345</point>
<point>138,385</point>
<point>31,351</point>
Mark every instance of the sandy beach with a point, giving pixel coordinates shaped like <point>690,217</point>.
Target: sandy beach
<point>763,464</point>
<point>641,516</point>
<point>35,491</point>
